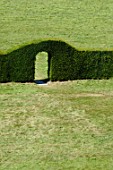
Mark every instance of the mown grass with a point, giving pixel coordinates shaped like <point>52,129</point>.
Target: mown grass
<point>84,24</point>
<point>66,125</point>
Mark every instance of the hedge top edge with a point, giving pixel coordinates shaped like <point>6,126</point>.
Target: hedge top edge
<point>4,52</point>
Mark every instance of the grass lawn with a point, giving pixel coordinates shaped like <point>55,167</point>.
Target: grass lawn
<point>66,125</point>
<point>85,24</point>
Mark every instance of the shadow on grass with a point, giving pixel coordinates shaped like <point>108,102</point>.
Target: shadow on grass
<point>42,81</point>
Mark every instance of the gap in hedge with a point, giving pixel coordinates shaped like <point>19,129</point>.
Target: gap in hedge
<point>41,68</point>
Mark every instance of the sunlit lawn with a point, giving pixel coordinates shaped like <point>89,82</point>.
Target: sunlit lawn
<point>66,125</point>
<point>85,24</point>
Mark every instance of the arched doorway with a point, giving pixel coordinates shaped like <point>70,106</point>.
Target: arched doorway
<point>42,68</point>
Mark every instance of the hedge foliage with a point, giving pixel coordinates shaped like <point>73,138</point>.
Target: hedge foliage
<point>4,68</point>
<point>64,63</point>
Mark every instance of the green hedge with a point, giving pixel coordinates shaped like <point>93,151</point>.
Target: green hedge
<point>4,68</point>
<point>70,64</point>
<point>96,65</point>
<point>64,62</point>
<point>21,64</point>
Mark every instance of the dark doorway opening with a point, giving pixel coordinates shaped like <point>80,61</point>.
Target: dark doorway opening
<point>42,67</point>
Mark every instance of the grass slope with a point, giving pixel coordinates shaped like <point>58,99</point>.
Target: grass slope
<point>61,126</point>
<point>84,24</point>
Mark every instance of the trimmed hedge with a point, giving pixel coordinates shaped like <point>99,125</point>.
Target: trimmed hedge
<point>64,63</point>
<point>21,64</point>
<point>4,68</point>
<point>96,65</point>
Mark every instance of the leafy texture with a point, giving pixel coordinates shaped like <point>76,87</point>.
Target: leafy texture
<point>64,63</point>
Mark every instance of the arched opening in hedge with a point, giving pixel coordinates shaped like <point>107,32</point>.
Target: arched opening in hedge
<point>42,67</point>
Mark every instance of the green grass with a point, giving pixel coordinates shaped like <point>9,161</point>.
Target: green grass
<point>41,66</point>
<point>85,24</point>
<point>66,125</point>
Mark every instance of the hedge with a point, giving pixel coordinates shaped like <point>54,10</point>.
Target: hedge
<point>4,68</point>
<point>64,62</point>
